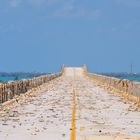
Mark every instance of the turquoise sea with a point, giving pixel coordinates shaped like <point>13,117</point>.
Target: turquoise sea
<point>132,78</point>
<point>6,79</point>
<point>11,78</point>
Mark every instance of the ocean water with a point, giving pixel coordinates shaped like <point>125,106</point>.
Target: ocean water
<point>11,78</point>
<point>137,79</point>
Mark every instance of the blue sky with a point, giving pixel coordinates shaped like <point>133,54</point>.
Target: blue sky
<point>40,35</point>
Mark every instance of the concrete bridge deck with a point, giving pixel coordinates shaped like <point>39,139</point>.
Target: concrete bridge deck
<point>71,107</point>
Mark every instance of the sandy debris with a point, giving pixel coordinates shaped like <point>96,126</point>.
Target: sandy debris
<point>46,112</point>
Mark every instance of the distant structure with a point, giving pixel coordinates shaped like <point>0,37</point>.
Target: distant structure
<point>131,68</point>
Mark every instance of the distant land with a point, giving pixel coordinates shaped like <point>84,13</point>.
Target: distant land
<point>21,74</point>
<point>13,76</point>
<point>128,76</point>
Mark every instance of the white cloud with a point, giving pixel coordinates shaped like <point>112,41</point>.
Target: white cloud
<point>135,3</point>
<point>8,27</point>
<point>71,11</point>
<point>114,29</point>
<point>63,8</point>
<point>15,3</point>
<point>52,2</point>
<point>36,2</point>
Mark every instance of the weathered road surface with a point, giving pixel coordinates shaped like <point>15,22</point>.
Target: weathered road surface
<point>71,107</point>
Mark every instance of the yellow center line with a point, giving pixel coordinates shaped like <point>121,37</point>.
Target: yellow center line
<point>73,123</point>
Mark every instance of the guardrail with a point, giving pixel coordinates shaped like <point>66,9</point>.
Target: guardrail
<point>10,89</point>
<point>125,86</point>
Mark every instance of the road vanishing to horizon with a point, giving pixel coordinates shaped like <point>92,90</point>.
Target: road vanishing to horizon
<point>74,103</point>
<point>70,107</point>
